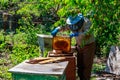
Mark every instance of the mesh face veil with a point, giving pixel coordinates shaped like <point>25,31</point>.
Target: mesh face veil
<point>73,27</point>
<point>77,26</point>
<point>75,23</point>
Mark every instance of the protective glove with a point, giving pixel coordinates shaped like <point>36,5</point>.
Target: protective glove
<point>55,31</point>
<point>75,34</point>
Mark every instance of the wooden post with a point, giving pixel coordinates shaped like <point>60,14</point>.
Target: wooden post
<point>5,18</point>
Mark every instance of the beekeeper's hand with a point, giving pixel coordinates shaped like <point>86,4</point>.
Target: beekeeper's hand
<point>55,31</point>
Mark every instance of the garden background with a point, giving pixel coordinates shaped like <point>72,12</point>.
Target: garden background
<point>21,20</point>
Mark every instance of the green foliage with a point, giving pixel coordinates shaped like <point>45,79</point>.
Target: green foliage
<point>24,52</point>
<point>98,67</point>
<point>21,50</point>
<point>24,46</point>
<point>2,46</point>
<point>6,75</point>
<point>31,34</point>
<point>2,43</point>
<point>52,13</point>
<point>4,3</point>
<point>106,24</point>
<point>1,35</point>
<point>41,16</point>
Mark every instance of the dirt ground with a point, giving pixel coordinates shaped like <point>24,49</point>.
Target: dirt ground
<point>102,75</point>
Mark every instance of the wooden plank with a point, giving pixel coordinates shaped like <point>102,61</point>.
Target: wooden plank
<point>49,69</point>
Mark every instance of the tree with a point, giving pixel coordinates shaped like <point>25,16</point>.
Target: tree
<point>104,15</point>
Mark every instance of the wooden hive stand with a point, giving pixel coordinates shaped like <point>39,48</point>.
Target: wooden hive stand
<point>71,68</point>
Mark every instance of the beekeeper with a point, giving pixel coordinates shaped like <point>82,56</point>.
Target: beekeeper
<point>85,43</point>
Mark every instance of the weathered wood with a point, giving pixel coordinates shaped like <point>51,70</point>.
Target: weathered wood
<point>49,69</point>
